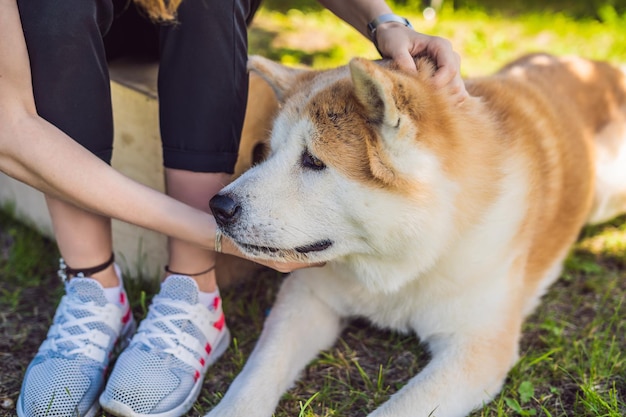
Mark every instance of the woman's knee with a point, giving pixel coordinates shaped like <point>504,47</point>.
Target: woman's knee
<point>65,22</point>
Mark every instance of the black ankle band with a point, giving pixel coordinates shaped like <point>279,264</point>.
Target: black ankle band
<point>65,272</point>
<point>169,271</point>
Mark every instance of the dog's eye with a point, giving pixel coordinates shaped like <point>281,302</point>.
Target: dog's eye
<point>311,162</point>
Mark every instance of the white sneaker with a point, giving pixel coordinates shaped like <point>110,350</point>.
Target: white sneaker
<point>162,370</point>
<point>67,375</point>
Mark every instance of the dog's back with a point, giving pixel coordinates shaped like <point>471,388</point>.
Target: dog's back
<point>566,117</point>
<point>581,100</point>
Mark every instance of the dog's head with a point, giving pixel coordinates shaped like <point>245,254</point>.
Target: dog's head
<point>356,171</point>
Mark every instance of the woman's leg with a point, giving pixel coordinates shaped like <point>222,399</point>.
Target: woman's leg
<point>203,92</point>
<point>194,189</point>
<point>71,89</point>
<point>84,240</point>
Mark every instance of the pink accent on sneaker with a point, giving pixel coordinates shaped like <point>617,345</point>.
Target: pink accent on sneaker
<point>219,324</point>
<point>126,317</point>
<point>124,303</point>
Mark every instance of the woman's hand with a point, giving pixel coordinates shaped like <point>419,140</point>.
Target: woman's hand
<point>229,248</point>
<point>402,44</point>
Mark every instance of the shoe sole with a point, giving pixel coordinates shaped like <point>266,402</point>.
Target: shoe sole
<point>122,410</point>
<point>90,413</point>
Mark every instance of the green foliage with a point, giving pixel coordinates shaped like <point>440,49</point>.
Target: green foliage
<point>485,37</point>
<point>24,254</point>
<point>577,9</point>
<point>286,5</point>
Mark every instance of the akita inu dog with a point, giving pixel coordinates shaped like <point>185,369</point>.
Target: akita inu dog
<point>448,221</point>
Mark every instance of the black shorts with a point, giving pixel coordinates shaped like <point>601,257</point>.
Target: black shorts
<point>202,86</point>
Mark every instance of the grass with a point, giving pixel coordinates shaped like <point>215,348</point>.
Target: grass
<point>573,360</point>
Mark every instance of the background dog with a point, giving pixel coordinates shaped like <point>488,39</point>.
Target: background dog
<point>448,221</point>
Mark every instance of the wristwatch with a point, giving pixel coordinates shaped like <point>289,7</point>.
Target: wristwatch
<point>390,17</point>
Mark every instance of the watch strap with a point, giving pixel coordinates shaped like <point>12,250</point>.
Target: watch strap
<point>385,18</point>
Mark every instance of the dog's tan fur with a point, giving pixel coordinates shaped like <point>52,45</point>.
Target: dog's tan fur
<point>450,221</point>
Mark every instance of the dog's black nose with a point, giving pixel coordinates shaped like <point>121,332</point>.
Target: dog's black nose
<point>224,208</point>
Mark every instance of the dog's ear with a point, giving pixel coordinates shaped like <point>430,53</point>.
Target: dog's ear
<point>280,77</point>
<point>373,90</point>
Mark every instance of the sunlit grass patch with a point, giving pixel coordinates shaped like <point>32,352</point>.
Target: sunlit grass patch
<point>485,41</point>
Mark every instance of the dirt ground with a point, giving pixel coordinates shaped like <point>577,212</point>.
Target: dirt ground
<point>21,332</point>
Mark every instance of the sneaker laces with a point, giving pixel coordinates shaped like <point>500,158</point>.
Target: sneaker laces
<point>79,326</point>
<point>77,334</point>
<point>169,328</point>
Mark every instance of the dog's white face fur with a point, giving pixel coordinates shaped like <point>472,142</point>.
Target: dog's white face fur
<point>449,221</point>
<point>326,194</point>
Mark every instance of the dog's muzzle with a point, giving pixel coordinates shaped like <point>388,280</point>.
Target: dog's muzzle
<point>227,211</point>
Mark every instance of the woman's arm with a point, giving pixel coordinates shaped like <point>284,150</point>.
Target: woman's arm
<point>357,13</point>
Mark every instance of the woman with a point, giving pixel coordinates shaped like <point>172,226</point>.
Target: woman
<point>53,91</point>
